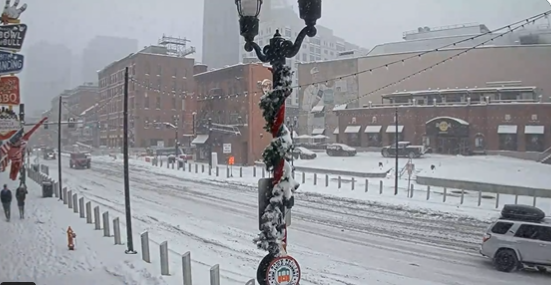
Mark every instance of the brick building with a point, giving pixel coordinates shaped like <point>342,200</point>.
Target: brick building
<point>160,82</point>
<point>473,69</point>
<point>229,97</point>
<point>457,121</point>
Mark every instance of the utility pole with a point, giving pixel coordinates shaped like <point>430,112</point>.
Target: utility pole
<point>59,175</point>
<point>129,236</point>
<point>210,142</point>
<point>396,152</point>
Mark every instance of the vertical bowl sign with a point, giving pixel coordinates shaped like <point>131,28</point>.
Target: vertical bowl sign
<point>9,123</point>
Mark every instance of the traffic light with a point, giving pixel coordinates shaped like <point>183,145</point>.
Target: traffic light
<point>22,113</point>
<point>71,123</point>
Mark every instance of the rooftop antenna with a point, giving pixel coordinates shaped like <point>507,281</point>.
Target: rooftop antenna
<point>176,46</point>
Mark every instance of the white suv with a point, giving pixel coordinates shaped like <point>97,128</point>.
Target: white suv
<point>521,237</point>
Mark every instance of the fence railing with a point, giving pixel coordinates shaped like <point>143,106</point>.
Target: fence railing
<point>102,221</point>
<point>427,193</point>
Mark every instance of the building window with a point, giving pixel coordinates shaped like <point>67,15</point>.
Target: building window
<point>159,83</point>
<point>288,33</point>
<point>146,123</point>
<point>354,140</point>
<point>374,140</point>
<point>174,102</point>
<point>534,143</point>
<point>146,102</point>
<point>392,138</point>
<point>158,102</point>
<point>479,143</point>
<point>508,142</point>
<point>183,104</point>
<point>147,68</point>
<point>175,73</point>
<point>174,86</point>
<point>159,70</point>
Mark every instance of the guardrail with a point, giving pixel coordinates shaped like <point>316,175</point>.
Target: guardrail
<point>443,194</point>
<point>102,221</point>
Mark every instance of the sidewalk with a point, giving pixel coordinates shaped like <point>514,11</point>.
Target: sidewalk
<point>35,249</point>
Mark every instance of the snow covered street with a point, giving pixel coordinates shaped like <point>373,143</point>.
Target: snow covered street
<point>337,241</point>
<point>35,248</point>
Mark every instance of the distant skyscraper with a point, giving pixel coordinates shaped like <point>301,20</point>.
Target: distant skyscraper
<point>102,51</point>
<point>47,73</point>
<point>220,34</point>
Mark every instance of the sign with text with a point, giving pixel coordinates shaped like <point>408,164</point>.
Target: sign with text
<point>9,90</point>
<point>226,148</point>
<point>9,124</point>
<point>11,63</point>
<point>12,36</point>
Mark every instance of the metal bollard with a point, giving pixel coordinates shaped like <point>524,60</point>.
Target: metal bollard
<point>339,182</point>
<point>186,268</point>
<point>479,197</point>
<point>462,196</point>
<point>81,207</point>
<point>303,178</point>
<point>315,179</point>
<point>497,200</point>
<point>352,185</point>
<point>380,187</point>
<point>183,166</point>
<point>56,190</point>
<point>88,212</point>
<point>117,230</point>
<point>516,199</point>
<point>534,202</point>
<point>189,167</point>
<point>326,180</point>
<point>75,203</point>
<point>445,194</point>
<point>97,218</point>
<point>70,199</point>
<point>254,171</point>
<point>217,171</point>
<point>227,172</point>
<point>411,191</point>
<point>215,275</point>
<point>240,172</point>
<point>428,192</point>
<point>263,172</point>
<point>163,250</point>
<point>210,170</point>
<point>144,237</point>
<point>196,168</point>
<point>64,195</point>
<point>366,185</point>
<point>106,228</point>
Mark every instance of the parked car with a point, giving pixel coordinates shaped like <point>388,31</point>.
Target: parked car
<point>405,149</point>
<point>80,160</point>
<point>48,153</point>
<point>303,153</point>
<point>520,238</point>
<point>339,149</point>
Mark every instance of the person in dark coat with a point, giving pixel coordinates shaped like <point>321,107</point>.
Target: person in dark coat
<point>5,198</point>
<point>21,195</point>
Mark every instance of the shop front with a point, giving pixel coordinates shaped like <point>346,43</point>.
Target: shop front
<point>447,135</point>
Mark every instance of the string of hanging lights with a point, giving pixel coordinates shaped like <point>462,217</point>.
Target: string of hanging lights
<point>510,28</point>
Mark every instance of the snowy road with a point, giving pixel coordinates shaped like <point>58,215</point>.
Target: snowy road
<point>336,241</point>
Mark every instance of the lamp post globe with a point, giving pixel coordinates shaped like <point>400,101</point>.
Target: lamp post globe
<point>248,11</point>
<point>309,11</point>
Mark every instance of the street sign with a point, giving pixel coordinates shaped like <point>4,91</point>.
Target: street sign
<point>283,270</point>
<point>9,90</point>
<point>11,63</point>
<point>226,148</point>
<point>12,36</point>
<point>9,124</point>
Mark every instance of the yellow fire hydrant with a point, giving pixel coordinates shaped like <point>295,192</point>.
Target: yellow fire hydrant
<point>71,235</point>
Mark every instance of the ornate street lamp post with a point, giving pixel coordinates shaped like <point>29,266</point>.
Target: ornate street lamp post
<point>276,193</point>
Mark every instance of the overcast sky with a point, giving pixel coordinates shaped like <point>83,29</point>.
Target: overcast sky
<point>363,22</point>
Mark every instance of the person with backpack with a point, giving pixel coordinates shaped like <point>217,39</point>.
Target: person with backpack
<point>5,198</point>
<point>20,195</point>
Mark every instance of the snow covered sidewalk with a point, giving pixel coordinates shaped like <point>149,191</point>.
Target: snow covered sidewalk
<point>35,248</point>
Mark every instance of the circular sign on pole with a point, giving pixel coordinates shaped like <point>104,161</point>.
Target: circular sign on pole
<point>283,270</point>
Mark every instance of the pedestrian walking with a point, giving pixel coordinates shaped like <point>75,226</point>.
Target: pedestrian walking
<point>21,195</point>
<point>5,198</point>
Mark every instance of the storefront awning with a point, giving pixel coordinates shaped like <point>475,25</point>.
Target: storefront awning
<point>534,130</point>
<point>318,109</point>
<point>316,132</point>
<point>373,129</point>
<point>352,129</point>
<point>340,107</point>
<point>336,131</point>
<point>392,129</point>
<point>200,139</point>
<point>507,129</point>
